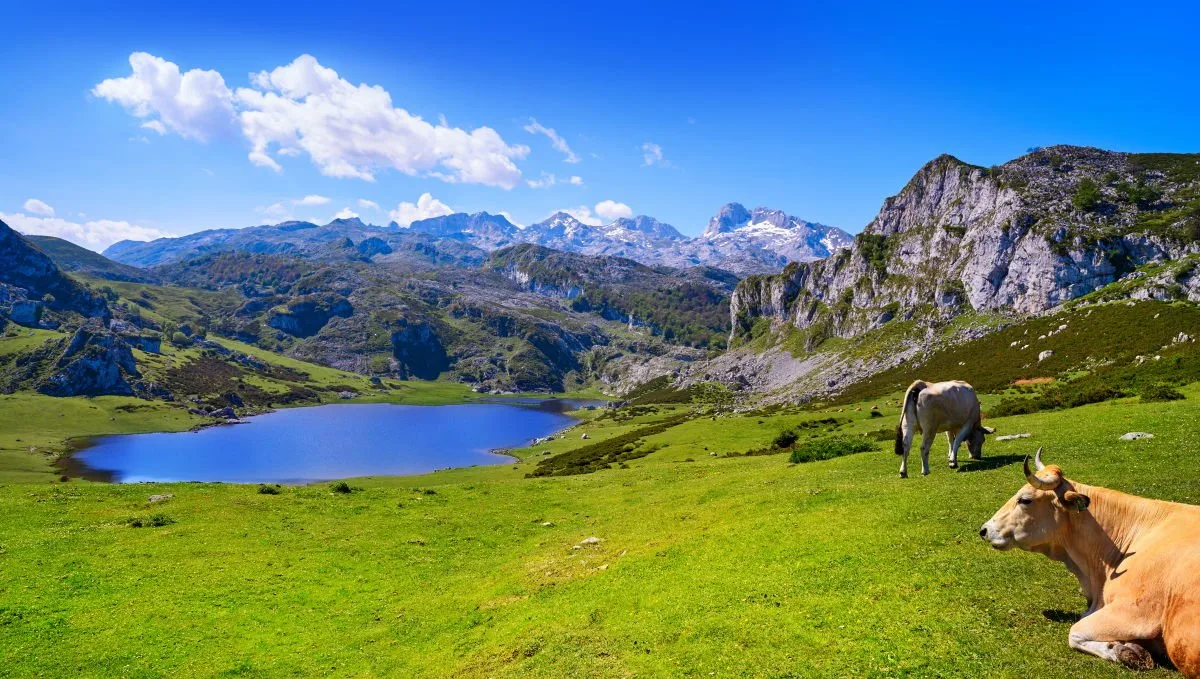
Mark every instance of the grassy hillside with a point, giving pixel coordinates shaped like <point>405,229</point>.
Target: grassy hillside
<point>705,566</point>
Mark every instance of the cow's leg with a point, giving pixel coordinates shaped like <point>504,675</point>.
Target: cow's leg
<point>926,444</point>
<point>1111,633</point>
<point>907,446</point>
<point>954,444</point>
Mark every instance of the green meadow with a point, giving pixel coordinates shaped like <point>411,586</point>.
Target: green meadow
<point>708,562</point>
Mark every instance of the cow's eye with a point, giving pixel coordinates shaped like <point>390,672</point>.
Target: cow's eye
<point>1023,500</point>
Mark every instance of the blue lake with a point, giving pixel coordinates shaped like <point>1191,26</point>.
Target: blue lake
<point>299,445</point>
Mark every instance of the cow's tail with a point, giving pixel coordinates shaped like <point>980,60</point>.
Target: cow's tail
<point>908,414</point>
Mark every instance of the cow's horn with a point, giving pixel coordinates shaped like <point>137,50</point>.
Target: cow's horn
<point>1038,482</point>
<point>1037,460</point>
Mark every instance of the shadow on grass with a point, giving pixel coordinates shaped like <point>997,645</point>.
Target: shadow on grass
<point>988,463</point>
<point>1055,615</point>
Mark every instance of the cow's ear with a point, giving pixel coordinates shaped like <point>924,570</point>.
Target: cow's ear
<point>988,430</point>
<point>1076,501</point>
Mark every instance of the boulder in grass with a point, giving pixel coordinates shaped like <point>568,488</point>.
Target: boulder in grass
<point>1137,436</point>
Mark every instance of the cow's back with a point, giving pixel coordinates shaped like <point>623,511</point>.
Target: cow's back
<point>946,406</point>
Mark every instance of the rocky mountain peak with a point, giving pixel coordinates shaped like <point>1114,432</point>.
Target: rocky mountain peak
<point>728,218</point>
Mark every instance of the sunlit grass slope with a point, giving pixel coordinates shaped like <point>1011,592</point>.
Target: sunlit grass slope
<point>706,566</point>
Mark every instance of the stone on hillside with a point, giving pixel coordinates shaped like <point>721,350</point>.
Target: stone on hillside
<point>1011,437</point>
<point>95,363</point>
<point>585,436</point>
<point>1045,354</point>
<point>346,395</point>
<point>224,413</point>
<point>25,312</point>
<point>590,541</point>
<point>1137,436</point>
<point>162,497</point>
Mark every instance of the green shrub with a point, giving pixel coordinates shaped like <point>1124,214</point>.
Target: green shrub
<point>785,439</point>
<point>1161,392</point>
<point>265,489</point>
<point>341,487</point>
<point>829,448</point>
<point>1087,195</point>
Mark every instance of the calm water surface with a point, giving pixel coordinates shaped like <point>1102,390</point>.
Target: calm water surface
<point>299,445</point>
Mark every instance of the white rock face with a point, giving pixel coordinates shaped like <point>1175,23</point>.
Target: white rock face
<point>960,237</point>
<point>1045,354</point>
<point>1136,436</point>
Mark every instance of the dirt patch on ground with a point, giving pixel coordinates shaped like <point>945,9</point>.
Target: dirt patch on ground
<point>1033,381</point>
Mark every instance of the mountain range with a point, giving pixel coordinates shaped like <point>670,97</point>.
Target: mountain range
<point>738,240</point>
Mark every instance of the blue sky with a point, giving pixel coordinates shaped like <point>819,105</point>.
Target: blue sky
<point>817,109</point>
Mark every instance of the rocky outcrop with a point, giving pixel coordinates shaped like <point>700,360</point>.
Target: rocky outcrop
<point>418,349</point>
<point>96,362</point>
<point>1021,238</point>
<point>305,316</point>
<point>27,269</point>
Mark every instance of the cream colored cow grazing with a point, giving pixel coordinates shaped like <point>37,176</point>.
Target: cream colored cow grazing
<point>1137,561</point>
<point>937,407</point>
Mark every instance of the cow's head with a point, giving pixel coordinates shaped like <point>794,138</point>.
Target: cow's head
<point>975,440</point>
<point>1034,517</point>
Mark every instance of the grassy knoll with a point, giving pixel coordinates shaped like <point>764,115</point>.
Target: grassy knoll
<point>718,566</point>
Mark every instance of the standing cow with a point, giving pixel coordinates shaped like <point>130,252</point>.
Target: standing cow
<point>1137,561</point>
<point>940,406</point>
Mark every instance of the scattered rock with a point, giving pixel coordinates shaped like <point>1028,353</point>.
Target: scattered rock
<point>585,436</point>
<point>1011,437</point>
<point>547,524</point>
<point>1137,435</point>
<point>590,541</point>
<point>1045,354</point>
<point>346,395</point>
<point>162,497</point>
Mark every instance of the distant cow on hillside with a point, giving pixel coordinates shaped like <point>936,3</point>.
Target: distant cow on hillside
<point>1137,561</point>
<point>937,407</point>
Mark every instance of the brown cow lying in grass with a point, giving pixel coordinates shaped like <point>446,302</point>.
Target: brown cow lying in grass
<point>1137,561</point>
<point>937,407</point>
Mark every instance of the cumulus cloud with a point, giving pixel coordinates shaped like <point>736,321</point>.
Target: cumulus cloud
<point>584,214</point>
<point>610,210</point>
<point>511,220</point>
<point>304,108</point>
<point>652,154</point>
<point>426,207</point>
<point>355,131</point>
<point>576,180</point>
<point>346,213</point>
<point>93,235</point>
<point>38,207</point>
<point>559,144</point>
<point>368,204</point>
<point>312,199</point>
<point>195,105</point>
<point>274,211</point>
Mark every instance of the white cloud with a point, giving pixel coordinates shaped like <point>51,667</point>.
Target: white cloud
<point>38,207</point>
<point>354,131</point>
<point>274,210</point>
<point>583,214</point>
<point>559,144</point>
<point>611,210</point>
<point>195,105</point>
<point>93,235</point>
<point>652,154</point>
<point>311,199</point>
<point>426,206</point>
<point>549,179</point>
<point>511,220</point>
<point>368,204</point>
<point>304,108</point>
<point>346,213</point>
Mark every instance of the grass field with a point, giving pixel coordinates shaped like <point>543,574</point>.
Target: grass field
<point>706,566</point>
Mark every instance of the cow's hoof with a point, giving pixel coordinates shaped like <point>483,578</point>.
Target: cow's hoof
<point>924,473</point>
<point>1134,657</point>
<point>976,457</point>
<point>954,465</point>
<point>904,475</point>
